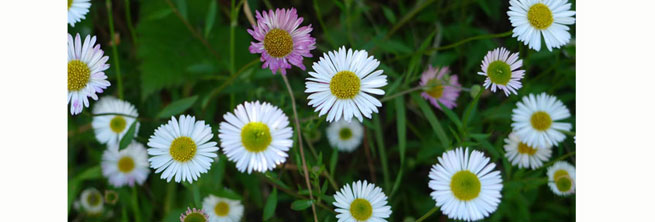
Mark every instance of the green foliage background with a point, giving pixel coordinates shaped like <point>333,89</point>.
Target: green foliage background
<point>162,61</point>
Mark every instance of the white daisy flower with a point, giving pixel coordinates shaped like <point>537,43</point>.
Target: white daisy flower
<point>535,120</point>
<point>126,166</point>
<point>222,209</point>
<point>110,129</point>
<point>362,202</point>
<point>182,149</point>
<point>91,201</point>
<point>502,71</point>
<point>345,136</point>
<point>561,178</point>
<point>524,156</point>
<point>256,136</point>
<point>341,83</point>
<point>533,18</point>
<point>77,10</point>
<point>86,64</point>
<point>465,187</point>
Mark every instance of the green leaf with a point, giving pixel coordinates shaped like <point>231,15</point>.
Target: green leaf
<point>388,13</point>
<point>334,158</point>
<point>271,203</point>
<point>432,119</point>
<point>470,109</point>
<point>299,205</point>
<point>451,115</point>
<point>177,107</point>
<point>129,136</point>
<point>211,18</point>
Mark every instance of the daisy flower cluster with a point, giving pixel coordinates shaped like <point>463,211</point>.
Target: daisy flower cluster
<point>343,88</point>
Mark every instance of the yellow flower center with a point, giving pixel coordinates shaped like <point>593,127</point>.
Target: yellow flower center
<point>436,91</point>
<point>361,209</point>
<point>183,149</point>
<point>278,43</point>
<point>345,133</point>
<point>126,164</point>
<point>499,72</point>
<point>70,3</point>
<point>221,209</point>
<point>541,121</point>
<point>465,185</point>
<point>525,149</point>
<point>94,198</point>
<point>255,137</point>
<point>345,85</point>
<point>195,217</point>
<point>563,181</point>
<point>117,124</point>
<point>78,75</point>
<point>540,16</point>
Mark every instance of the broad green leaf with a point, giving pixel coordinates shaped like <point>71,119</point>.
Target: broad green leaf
<point>299,205</point>
<point>271,204</point>
<point>129,136</point>
<point>432,119</point>
<point>177,107</point>
<point>388,13</point>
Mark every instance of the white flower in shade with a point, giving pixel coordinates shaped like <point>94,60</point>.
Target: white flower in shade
<point>126,166</point>
<point>535,120</point>
<point>466,187</point>
<point>182,149</point>
<point>110,129</point>
<point>77,10</point>
<point>86,64</point>
<point>222,209</point>
<point>362,202</point>
<point>345,136</point>
<point>561,178</point>
<point>341,83</point>
<point>91,201</point>
<point>533,18</point>
<point>256,136</point>
<point>194,215</point>
<point>502,71</point>
<point>524,156</point>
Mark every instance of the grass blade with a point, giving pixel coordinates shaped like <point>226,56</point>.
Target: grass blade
<point>432,119</point>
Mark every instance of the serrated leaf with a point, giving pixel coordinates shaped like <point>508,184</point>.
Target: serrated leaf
<point>271,204</point>
<point>177,107</point>
<point>299,205</point>
<point>129,136</point>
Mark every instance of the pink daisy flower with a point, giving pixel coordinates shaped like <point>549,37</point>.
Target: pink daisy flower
<point>502,71</point>
<point>443,88</point>
<point>280,41</point>
<point>194,215</point>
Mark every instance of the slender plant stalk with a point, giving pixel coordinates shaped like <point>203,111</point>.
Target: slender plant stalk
<point>135,203</point>
<point>428,214</point>
<point>302,153</point>
<point>114,49</point>
<point>295,194</point>
<point>485,36</point>
<point>128,18</point>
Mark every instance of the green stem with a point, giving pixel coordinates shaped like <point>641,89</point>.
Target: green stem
<point>485,36</point>
<point>302,153</point>
<point>114,49</point>
<point>383,153</point>
<point>428,214</point>
<point>135,204</point>
<point>128,18</point>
